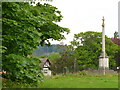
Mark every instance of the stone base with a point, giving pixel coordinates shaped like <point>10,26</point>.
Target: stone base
<point>102,69</point>
<point>103,63</point>
<point>100,72</point>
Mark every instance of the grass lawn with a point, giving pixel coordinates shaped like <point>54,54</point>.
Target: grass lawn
<point>72,81</point>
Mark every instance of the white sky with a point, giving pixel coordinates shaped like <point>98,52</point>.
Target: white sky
<point>86,15</point>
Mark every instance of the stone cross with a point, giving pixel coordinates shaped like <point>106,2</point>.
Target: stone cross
<point>103,59</point>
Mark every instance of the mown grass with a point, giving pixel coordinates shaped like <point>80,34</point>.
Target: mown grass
<point>81,81</point>
<point>69,81</point>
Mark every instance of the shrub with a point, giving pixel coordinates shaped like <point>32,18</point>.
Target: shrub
<point>82,72</point>
<point>7,83</point>
<point>22,69</point>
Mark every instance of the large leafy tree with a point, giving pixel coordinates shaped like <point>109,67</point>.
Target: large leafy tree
<point>89,49</point>
<point>26,26</point>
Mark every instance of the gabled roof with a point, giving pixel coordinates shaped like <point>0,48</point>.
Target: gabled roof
<point>43,61</point>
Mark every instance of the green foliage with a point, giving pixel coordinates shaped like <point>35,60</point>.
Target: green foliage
<point>65,62</point>
<point>7,83</point>
<point>19,33</point>
<point>67,59</point>
<point>50,30</point>
<point>22,69</point>
<point>82,72</point>
<point>89,49</point>
<point>53,56</point>
<point>43,56</point>
<point>22,33</point>
<point>25,27</point>
<point>2,48</point>
<point>116,34</point>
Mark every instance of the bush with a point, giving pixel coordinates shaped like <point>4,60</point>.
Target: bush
<point>7,83</point>
<point>22,69</point>
<point>82,72</point>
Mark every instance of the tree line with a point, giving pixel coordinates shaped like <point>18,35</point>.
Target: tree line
<point>83,53</point>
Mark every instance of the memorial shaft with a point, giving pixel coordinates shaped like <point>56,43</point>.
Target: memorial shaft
<point>103,38</point>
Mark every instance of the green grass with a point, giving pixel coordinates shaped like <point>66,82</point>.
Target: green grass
<point>69,81</point>
<point>72,81</point>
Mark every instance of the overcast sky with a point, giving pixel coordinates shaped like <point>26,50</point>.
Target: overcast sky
<point>86,15</point>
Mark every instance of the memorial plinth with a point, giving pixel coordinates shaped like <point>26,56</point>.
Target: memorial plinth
<point>103,63</point>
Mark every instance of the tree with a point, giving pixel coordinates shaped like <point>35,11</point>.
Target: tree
<point>26,26</point>
<point>64,63</point>
<point>89,49</point>
<point>22,69</point>
<point>116,35</point>
<point>67,59</point>
<point>53,56</point>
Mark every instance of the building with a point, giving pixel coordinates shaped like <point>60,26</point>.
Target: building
<point>46,66</point>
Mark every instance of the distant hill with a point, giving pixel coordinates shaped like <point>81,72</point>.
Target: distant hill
<point>44,50</point>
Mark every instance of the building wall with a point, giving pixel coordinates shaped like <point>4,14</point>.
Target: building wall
<point>46,71</point>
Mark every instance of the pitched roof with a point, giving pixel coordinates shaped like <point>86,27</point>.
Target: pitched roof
<point>43,60</point>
